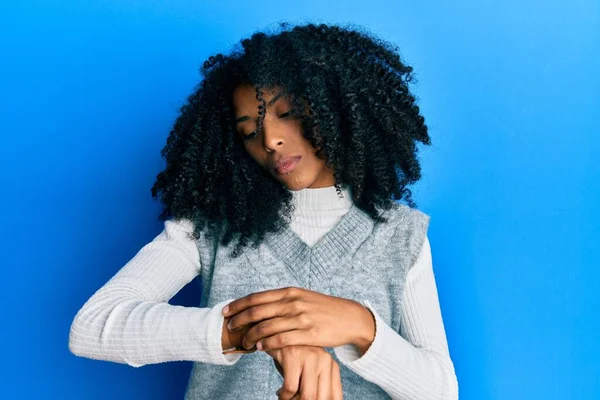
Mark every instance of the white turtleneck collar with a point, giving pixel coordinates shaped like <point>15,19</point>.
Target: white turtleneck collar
<point>317,211</point>
<point>325,198</point>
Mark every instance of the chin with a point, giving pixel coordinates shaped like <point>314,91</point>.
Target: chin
<point>294,188</point>
<point>295,184</point>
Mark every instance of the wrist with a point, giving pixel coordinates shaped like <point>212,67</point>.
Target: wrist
<point>366,332</point>
<point>230,339</point>
<point>231,342</point>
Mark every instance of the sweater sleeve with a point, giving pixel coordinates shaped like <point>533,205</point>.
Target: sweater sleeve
<point>129,319</point>
<point>414,364</point>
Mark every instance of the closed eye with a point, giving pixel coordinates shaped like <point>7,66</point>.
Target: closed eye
<point>249,136</point>
<point>253,134</point>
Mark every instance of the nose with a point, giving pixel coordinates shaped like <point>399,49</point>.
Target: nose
<point>272,137</point>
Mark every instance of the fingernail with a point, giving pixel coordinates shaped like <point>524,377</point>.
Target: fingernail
<point>229,326</point>
<point>225,310</point>
<point>259,346</point>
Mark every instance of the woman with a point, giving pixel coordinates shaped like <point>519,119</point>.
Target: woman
<point>281,188</point>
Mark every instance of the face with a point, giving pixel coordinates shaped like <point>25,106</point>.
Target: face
<point>281,138</point>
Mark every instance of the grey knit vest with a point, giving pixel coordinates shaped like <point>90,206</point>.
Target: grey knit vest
<point>357,259</point>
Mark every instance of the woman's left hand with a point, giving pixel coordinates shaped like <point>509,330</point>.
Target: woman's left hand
<point>296,316</point>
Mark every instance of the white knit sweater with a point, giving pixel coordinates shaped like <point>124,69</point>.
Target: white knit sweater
<point>119,324</point>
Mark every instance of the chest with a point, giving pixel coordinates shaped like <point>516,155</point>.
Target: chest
<point>368,273</point>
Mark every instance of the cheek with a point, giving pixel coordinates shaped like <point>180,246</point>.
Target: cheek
<point>257,156</point>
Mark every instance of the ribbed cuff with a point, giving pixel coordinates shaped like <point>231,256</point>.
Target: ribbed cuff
<point>348,353</point>
<point>214,336</point>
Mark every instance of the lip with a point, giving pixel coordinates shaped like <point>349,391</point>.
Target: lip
<point>286,165</point>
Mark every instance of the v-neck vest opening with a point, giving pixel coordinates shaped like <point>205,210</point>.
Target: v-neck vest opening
<point>329,253</point>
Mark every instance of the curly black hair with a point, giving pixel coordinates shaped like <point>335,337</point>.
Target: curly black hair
<point>361,117</point>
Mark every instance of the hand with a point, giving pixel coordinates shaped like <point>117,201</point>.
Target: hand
<point>296,316</point>
<point>308,372</point>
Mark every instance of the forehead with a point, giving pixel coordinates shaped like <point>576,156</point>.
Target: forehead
<point>245,95</point>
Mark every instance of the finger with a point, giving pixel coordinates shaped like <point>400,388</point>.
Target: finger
<point>324,384</point>
<point>258,313</point>
<point>292,371</point>
<point>336,382</point>
<point>309,379</point>
<point>278,367</point>
<point>268,328</point>
<point>276,355</point>
<point>298,337</point>
<point>257,298</point>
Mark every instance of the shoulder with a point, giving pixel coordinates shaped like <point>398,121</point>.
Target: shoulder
<point>409,226</point>
<point>401,215</point>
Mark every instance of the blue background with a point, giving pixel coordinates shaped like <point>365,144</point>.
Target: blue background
<point>510,91</point>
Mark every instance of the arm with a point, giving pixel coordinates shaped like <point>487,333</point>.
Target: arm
<point>413,365</point>
<point>129,319</point>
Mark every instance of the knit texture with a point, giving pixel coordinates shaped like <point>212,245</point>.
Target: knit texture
<point>357,259</point>
<point>129,320</point>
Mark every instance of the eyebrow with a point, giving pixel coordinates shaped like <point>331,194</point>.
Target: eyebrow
<point>270,103</point>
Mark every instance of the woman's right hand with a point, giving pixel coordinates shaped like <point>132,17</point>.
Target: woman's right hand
<point>308,372</point>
